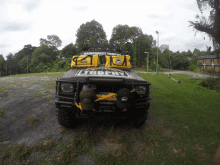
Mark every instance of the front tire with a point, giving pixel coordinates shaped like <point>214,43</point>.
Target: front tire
<point>66,118</point>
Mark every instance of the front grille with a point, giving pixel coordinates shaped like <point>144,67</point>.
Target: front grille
<point>110,88</point>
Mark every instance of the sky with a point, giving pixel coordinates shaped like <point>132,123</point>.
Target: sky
<point>24,22</point>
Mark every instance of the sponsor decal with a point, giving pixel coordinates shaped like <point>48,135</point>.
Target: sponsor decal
<point>101,72</point>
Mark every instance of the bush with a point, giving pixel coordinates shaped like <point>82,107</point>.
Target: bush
<point>197,70</point>
<point>192,67</point>
<point>211,83</point>
<point>61,63</point>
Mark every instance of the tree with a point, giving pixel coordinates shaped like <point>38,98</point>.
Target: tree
<point>53,41</point>
<point>22,64</point>
<point>10,61</point>
<point>167,60</point>
<point>216,52</point>
<point>90,33</point>
<point>189,53</point>
<point>2,65</point>
<point>51,45</point>
<point>202,53</point>
<point>123,35</point>
<point>25,52</point>
<point>143,44</point>
<point>180,61</point>
<point>69,51</point>
<point>211,25</point>
<point>135,32</point>
<point>40,55</point>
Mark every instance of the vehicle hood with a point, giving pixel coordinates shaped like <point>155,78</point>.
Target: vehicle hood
<point>102,72</point>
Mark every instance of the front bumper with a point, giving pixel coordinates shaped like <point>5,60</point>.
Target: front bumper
<point>104,106</point>
<point>112,85</point>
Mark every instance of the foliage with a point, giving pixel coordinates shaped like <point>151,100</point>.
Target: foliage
<point>23,64</point>
<point>199,65</point>
<point>25,52</point>
<point>2,65</point>
<point>216,52</point>
<point>211,83</point>
<point>122,34</point>
<point>10,63</point>
<point>52,41</point>
<point>143,44</point>
<point>192,67</point>
<point>41,59</point>
<point>90,33</point>
<point>196,52</point>
<point>153,66</point>
<point>211,25</point>
<point>69,51</point>
<point>180,62</point>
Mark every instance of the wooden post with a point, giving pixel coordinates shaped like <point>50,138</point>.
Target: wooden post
<point>175,80</point>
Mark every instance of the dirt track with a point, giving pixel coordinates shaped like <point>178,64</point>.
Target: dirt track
<point>19,103</point>
<point>196,75</point>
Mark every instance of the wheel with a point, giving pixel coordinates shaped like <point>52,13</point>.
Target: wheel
<point>138,117</point>
<point>66,118</point>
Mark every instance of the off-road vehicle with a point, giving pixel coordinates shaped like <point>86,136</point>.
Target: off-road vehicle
<point>101,81</point>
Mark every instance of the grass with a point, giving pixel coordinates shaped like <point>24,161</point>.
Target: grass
<point>38,94</point>
<point>50,86</point>
<point>2,112</point>
<point>14,84</point>
<point>46,91</point>
<point>145,70</point>
<point>32,120</point>
<point>2,89</point>
<point>188,111</point>
<point>49,97</point>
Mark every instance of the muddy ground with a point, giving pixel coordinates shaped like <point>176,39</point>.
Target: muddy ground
<point>21,105</point>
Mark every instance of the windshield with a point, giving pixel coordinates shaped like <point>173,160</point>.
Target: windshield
<point>100,53</point>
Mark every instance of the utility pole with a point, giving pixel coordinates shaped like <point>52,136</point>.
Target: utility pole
<point>169,57</point>
<point>147,59</point>
<point>157,48</point>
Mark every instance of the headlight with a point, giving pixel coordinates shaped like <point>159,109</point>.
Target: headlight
<point>66,87</point>
<point>140,89</point>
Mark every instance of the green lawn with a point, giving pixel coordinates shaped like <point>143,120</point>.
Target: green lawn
<point>192,112</point>
<point>189,111</point>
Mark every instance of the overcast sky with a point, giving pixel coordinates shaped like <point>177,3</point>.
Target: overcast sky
<point>24,22</point>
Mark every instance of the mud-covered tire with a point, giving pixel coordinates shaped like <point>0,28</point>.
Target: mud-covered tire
<point>66,118</point>
<point>138,117</point>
